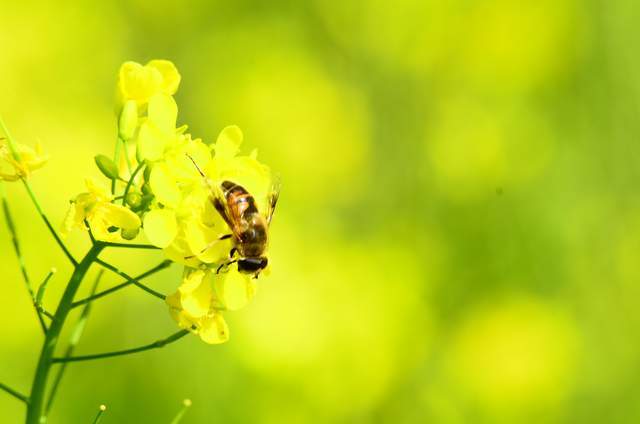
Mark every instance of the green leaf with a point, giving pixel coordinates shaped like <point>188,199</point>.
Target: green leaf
<point>107,167</point>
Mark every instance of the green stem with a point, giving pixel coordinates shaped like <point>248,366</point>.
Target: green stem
<point>130,279</point>
<point>126,153</point>
<point>14,393</point>
<point>185,405</point>
<point>98,417</point>
<point>130,182</point>
<point>16,247</point>
<point>76,334</point>
<point>155,345</point>
<point>131,246</point>
<point>116,159</point>
<point>10,140</point>
<point>48,223</point>
<point>161,266</point>
<point>38,388</point>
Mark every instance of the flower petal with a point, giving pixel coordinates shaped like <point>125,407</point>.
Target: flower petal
<point>197,302</point>
<point>205,243</point>
<point>164,186</point>
<point>228,142</point>
<point>191,281</point>
<point>120,216</point>
<point>233,288</point>
<point>170,75</point>
<point>214,330</point>
<point>151,142</point>
<point>138,82</point>
<point>163,112</point>
<point>161,227</point>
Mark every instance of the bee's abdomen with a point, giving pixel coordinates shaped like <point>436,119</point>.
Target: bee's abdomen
<point>239,199</point>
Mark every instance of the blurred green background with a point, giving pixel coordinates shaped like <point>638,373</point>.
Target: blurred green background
<point>458,234</point>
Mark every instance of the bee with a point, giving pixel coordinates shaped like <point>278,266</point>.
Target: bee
<point>249,227</point>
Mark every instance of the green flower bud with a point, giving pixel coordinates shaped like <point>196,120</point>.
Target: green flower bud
<point>129,234</point>
<point>128,121</point>
<point>133,199</point>
<point>146,201</point>
<point>146,188</point>
<point>147,171</point>
<point>107,167</point>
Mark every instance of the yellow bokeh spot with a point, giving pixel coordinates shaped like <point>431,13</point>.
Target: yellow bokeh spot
<point>475,148</point>
<point>516,355</point>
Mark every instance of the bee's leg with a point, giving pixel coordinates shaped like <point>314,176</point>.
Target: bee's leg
<point>232,252</point>
<point>208,246</point>
<point>222,265</point>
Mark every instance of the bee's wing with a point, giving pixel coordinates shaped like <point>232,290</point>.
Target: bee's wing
<point>219,201</point>
<point>274,195</point>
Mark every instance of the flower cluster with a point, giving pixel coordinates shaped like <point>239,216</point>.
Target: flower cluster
<point>158,187</point>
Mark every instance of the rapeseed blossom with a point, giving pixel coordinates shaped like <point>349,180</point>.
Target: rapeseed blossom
<point>30,159</point>
<point>94,210</point>
<point>167,194</point>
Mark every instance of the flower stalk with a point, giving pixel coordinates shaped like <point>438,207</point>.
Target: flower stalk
<point>38,387</point>
<point>155,345</point>
<point>76,334</point>
<point>16,394</point>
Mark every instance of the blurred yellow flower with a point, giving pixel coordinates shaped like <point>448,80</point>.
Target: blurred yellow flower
<point>140,83</point>
<point>30,160</point>
<point>515,354</point>
<point>105,219</point>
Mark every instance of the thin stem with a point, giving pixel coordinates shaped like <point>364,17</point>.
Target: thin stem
<point>38,387</point>
<point>10,140</point>
<point>16,247</point>
<point>126,153</point>
<point>46,313</point>
<point>116,159</point>
<point>98,417</point>
<point>48,223</point>
<point>14,393</point>
<point>130,279</point>
<point>131,246</point>
<point>185,405</point>
<point>130,182</point>
<point>76,334</point>
<point>159,267</point>
<point>91,237</point>
<point>155,345</point>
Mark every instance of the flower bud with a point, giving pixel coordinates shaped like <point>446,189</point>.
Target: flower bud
<point>133,199</point>
<point>107,167</point>
<point>129,234</point>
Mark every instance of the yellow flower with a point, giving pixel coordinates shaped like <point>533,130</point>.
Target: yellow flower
<point>203,295</point>
<point>106,220</point>
<point>30,160</point>
<point>140,83</point>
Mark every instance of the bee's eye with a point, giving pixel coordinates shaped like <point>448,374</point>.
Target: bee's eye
<point>251,265</point>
